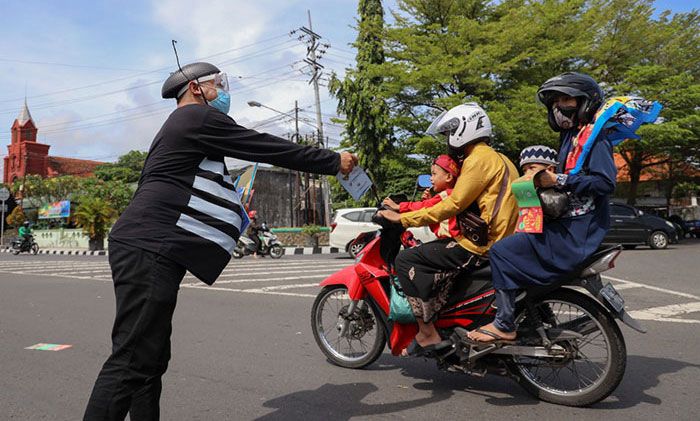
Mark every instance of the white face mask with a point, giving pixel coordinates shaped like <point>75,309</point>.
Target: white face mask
<point>564,117</point>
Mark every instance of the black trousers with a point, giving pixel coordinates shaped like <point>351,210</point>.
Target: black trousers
<point>426,274</point>
<point>146,286</point>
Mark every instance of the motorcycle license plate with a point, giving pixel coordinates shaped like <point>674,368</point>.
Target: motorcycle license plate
<point>613,297</point>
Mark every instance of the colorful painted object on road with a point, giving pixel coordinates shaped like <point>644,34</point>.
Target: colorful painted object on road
<point>49,347</point>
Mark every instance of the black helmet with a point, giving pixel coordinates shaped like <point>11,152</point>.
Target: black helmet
<point>576,85</point>
<point>178,80</point>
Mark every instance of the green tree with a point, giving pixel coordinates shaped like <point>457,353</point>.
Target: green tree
<point>367,127</point>
<point>439,53</point>
<point>95,215</point>
<point>16,217</point>
<point>127,169</point>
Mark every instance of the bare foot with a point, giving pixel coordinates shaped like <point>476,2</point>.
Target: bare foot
<point>495,334</point>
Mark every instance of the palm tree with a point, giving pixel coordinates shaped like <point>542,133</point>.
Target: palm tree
<point>94,215</point>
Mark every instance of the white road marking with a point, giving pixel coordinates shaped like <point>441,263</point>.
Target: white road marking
<point>285,278</point>
<point>251,291</point>
<point>653,288</point>
<point>666,313</point>
<point>308,270</point>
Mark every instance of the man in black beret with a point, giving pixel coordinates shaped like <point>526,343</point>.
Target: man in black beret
<point>184,216</point>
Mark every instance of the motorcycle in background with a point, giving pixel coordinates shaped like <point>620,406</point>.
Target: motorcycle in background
<point>269,244</point>
<point>18,246</point>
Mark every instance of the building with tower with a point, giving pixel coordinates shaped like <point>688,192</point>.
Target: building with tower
<point>27,156</point>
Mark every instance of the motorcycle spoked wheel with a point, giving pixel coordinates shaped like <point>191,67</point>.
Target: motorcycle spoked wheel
<point>34,249</point>
<point>365,338</point>
<point>236,254</point>
<point>594,365</point>
<point>276,251</point>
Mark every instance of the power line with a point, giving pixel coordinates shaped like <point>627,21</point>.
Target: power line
<point>85,66</point>
<point>159,70</point>
<point>52,104</point>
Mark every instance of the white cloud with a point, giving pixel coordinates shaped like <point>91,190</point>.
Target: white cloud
<point>105,126</point>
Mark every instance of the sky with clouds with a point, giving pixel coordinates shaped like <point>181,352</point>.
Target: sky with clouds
<point>92,70</point>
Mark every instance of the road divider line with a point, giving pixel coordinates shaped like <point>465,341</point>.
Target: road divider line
<point>241,281</point>
<point>274,272</point>
<point>249,291</point>
<point>666,312</point>
<point>283,287</point>
<point>653,288</point>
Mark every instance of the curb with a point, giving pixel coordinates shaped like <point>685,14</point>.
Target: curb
<point>67,252</point>
<point>295,251</point>
<point>310,250</point>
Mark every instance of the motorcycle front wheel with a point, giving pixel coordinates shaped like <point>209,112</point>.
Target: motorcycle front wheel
<point>236,253</point>
<point>364,339</point>
<point>587,369</point>
<point>276,251</point>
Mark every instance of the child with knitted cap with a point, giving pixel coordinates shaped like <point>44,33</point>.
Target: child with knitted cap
<point>534,159</point>
<point>443,175</point>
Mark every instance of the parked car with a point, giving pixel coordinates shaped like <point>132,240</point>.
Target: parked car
<point>351,222</point>
<point>693,227</point>
<point>631,227</point>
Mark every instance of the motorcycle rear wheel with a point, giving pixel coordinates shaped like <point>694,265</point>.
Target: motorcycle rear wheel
<point>365,338</point>
<point>15,251</point>
<point>598,359</point>
<point>276,251</point>
<point>34,248</point>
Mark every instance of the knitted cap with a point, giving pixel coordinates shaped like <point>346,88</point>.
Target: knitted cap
<point>538,154</point>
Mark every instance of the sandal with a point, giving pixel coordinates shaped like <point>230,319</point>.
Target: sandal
<point>497,339</point>
<point>414,349</point>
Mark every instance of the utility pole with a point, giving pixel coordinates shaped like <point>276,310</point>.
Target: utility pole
<point>312,60</point>
<point>296,180</point>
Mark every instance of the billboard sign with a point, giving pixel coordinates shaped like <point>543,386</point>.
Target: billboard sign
<point>59,209</point>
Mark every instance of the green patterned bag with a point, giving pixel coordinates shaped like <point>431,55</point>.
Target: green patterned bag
<point>399,308</point>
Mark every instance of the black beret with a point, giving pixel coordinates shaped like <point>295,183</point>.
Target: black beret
<point>177,80</point>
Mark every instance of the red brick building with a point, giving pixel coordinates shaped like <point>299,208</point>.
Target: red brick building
<point>27,156</point>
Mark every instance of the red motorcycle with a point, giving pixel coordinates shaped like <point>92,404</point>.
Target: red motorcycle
<point>569,349</point>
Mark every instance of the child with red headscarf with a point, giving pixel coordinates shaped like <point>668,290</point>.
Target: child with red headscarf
<point>443,176</point>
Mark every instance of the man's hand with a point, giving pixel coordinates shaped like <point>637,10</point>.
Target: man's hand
<point>546,179</point>
<point>347,162</point>
<point>390,216</point>
<point>391,204</point>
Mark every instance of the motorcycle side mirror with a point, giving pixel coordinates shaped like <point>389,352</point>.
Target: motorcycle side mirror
<point>423,181</point>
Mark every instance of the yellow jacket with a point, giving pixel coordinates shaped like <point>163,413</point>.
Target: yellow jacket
<point>479,180</point>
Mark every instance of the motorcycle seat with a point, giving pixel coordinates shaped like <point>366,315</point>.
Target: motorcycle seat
<point>469,284</point>
<point>481,273</point>
<point>602,251</point>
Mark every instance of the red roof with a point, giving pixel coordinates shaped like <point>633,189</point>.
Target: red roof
<point>71,166</point>
<point>653,173</point>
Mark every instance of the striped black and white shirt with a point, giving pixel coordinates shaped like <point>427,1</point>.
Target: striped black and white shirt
<point>185,207</point>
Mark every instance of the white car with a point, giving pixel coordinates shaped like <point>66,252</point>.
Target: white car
<point>351,222</point>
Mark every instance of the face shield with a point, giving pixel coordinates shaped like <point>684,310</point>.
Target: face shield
<point>220,82</point>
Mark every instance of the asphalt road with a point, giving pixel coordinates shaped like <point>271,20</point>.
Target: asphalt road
<point>243,349</point>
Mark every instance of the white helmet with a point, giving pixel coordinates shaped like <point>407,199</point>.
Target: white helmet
<point>461,125</point>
